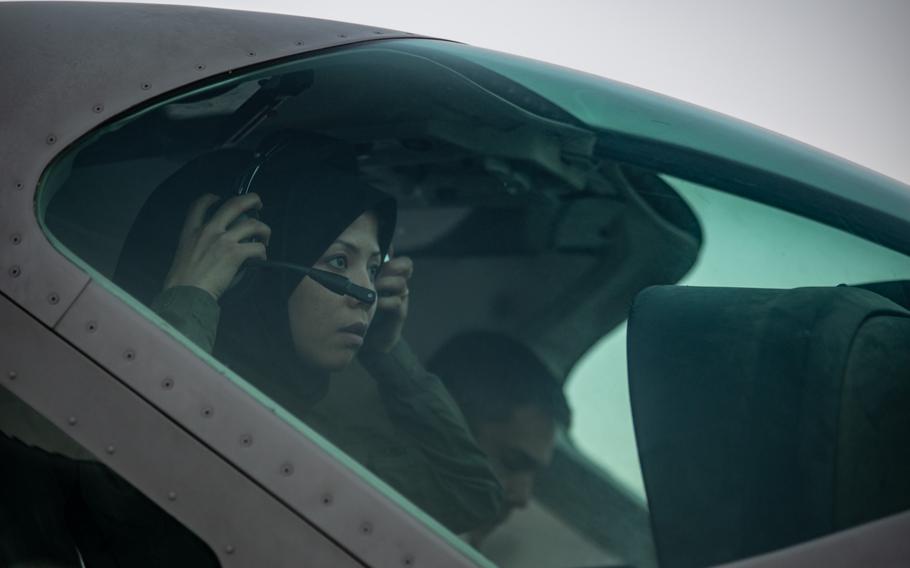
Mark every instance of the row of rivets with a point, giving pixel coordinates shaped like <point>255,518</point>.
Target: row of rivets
<point>286,469</point>
<point>98,108</point>
<point>111,450</point>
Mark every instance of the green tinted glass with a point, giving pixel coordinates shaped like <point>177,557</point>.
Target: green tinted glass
<point>505,213</point>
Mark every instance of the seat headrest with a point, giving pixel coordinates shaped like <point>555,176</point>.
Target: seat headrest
<point>737,397</point>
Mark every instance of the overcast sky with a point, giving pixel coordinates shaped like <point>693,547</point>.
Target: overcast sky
<point>832,73</point>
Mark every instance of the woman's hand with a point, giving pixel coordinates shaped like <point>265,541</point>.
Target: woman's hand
<point>392,305</point>
<point>210,253</point>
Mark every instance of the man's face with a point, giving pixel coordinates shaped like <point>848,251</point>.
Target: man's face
<point>517,448</point>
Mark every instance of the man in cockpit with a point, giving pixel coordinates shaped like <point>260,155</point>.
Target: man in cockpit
<point>513,405</point>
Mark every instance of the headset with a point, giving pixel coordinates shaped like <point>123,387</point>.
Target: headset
<point>333,282</point>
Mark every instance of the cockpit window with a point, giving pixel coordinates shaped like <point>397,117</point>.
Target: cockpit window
<point>429,258</point>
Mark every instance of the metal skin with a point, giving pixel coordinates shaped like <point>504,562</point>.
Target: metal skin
<point>165,462</point>
<point>67,68</point>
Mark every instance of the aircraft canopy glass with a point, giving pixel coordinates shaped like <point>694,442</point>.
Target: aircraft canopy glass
<point>426,254</point>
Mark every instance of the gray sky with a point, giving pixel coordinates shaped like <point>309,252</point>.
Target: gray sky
<point>832,73</point>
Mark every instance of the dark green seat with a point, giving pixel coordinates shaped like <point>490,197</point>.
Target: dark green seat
<point>767,417</point>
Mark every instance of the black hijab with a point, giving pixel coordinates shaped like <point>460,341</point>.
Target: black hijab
<point>310,194</point>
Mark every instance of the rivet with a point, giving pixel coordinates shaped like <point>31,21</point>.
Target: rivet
<point>145,86</point>
<point>366,527</point>
<point>167,383</point>
<point>298,43</point>
<point>53,298</point>
<point>129,354</point>
<point>91,327</point>
<point>72,421</point>
<point>342,35</point>
<point>246,440</point>
<point>110,449</point>
<point>97,108</point>
<point>171,496</point>
<point>15,271</point>
<point>251,53</point>
<point>19,185</point>
<point>200,67</point>
<point>16,238</point>
<point>408,560</point>
<point>207,411</point>
<point>287,469</point>
<point>229,549</point>
<point>327,499</point>
<point>51,140</point>
<point>12,375</point>
<point>377,32</point>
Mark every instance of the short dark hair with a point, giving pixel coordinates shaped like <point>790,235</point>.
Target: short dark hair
<point>490,374</point>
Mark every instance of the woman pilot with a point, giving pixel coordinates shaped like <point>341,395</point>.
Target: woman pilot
<point>298,205</point>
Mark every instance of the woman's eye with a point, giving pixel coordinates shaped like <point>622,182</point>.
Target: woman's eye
<point>337,262</point>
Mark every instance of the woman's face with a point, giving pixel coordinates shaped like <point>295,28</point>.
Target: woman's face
<point>328,329</point>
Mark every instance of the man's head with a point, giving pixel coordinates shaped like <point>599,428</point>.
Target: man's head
<point>513,405</point>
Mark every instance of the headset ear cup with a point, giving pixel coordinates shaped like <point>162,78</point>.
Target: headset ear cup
<point>237,288</point>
